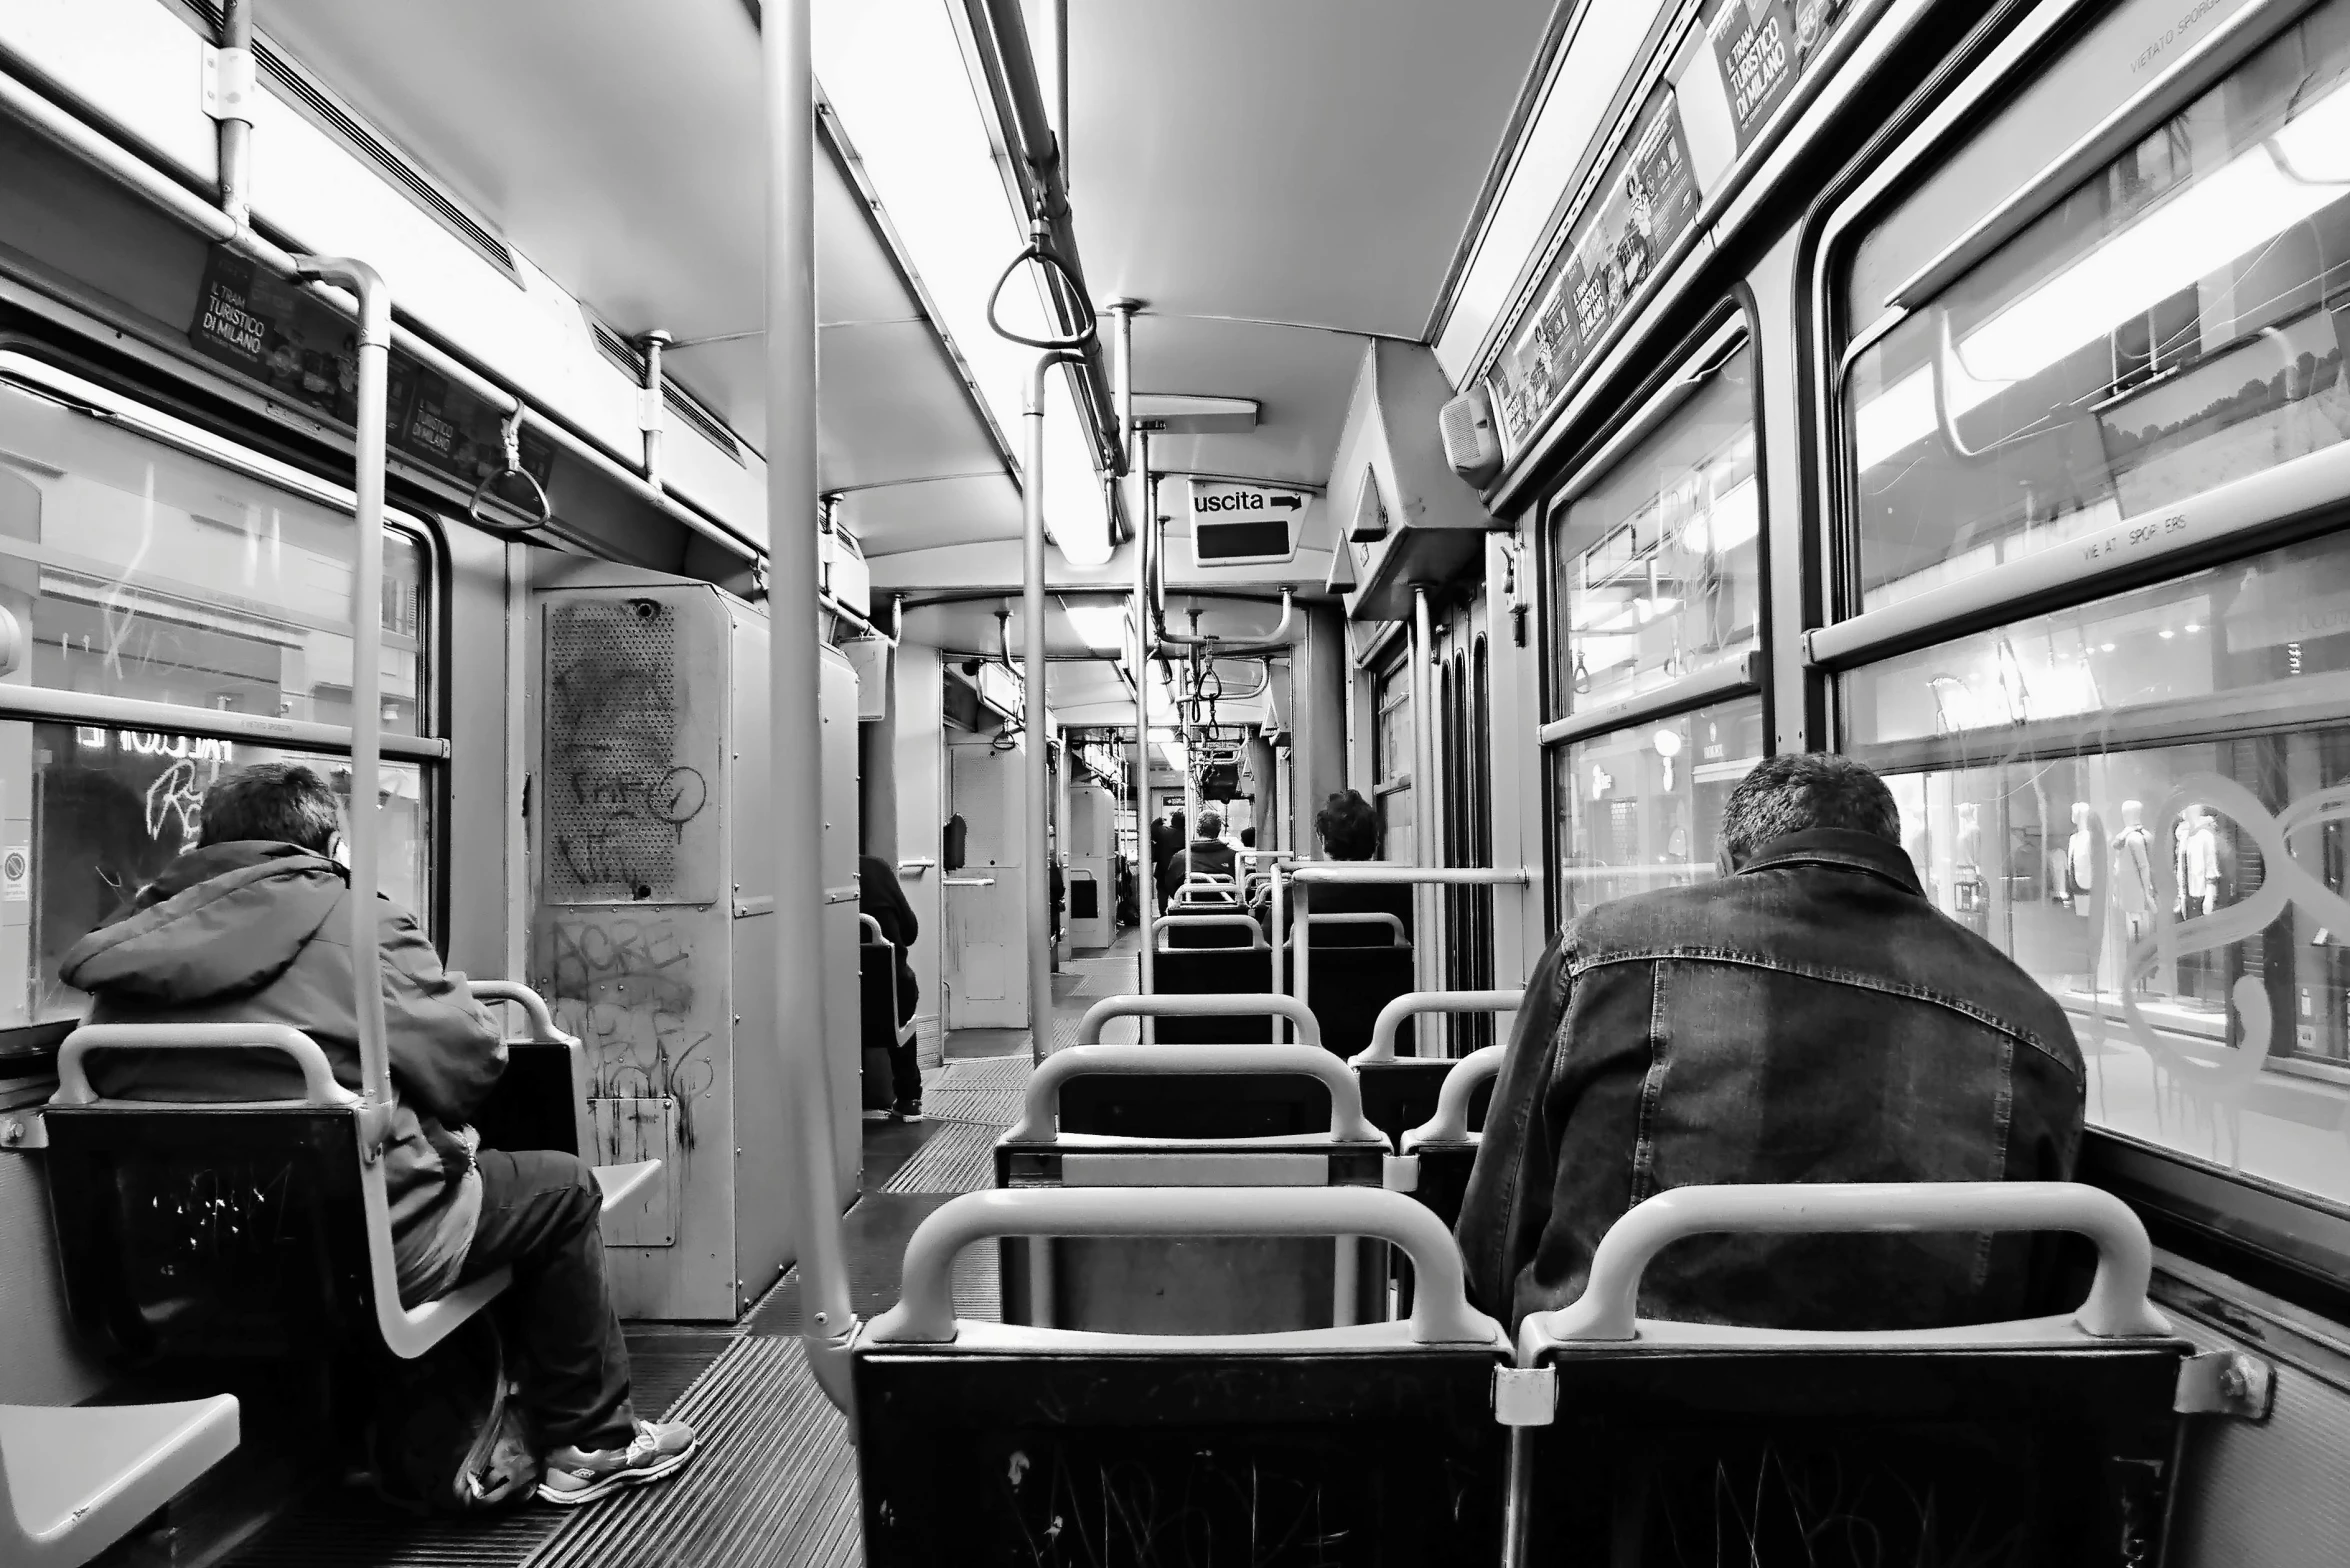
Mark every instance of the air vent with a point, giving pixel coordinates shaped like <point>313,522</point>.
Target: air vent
<point>621,352</point>
<point>322,108</point>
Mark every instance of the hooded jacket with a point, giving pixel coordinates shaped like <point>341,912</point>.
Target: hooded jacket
<point>258,932</point>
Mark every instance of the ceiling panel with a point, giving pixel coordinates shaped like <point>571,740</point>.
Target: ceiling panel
<point>889,407</point>
<point>933,512</point>
<point>1301,379</point>
<point>1310,161</point>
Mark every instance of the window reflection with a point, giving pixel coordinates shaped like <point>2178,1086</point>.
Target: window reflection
<point>2173,325</point>
<point>1641,808</point>
<point>1658,561</point>
<point>143,572</point>
<point>109,809</point>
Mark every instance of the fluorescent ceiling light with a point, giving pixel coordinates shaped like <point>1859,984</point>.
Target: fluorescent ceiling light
<point>894,72</point>
<point>1103,626</point>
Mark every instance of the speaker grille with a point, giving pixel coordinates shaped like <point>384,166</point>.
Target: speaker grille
<point>614,805</point>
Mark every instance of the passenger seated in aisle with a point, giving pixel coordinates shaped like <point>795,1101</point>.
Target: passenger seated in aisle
<point>1809,1017</point>
<point>1207,855</point>
<point>1348,827</point>
<point>879,895</point>
<point>251,925</point>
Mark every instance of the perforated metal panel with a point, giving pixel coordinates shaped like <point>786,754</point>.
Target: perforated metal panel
<point>619,794</point>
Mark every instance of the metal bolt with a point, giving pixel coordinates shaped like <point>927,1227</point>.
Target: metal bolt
<point>820,1317</point>
<point>2232,1381</point>
<point>13,1132</point>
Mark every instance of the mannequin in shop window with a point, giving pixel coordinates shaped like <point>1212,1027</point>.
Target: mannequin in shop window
<point>2133,870</point>
<point>2080,860</point>
<point>2195,859</point>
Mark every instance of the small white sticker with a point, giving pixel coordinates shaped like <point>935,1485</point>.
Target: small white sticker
<point>16,875</point>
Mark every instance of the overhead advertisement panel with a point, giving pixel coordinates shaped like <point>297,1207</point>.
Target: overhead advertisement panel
<point>1730,74</point>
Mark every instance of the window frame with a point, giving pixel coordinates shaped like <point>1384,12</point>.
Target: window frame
<point>28,1050</point>
<point>2308,1235</point>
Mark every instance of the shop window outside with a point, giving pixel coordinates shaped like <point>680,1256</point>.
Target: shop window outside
<point>1640,808</point>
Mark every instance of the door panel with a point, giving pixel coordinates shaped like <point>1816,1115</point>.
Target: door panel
<point>986,929</point>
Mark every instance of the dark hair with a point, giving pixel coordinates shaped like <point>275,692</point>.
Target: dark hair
<point>1211,823</point>
<point>1248,838</point>
<point>1349,826</point>
<point>278,802</point>
<point>1813,789</point>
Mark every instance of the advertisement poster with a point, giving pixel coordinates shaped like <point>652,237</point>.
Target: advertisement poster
<point>280,334</point>
<point>1763,48</point>
<point>1641,207</point>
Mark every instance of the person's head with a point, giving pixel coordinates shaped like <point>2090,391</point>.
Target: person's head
<point>278,802</point>
<point>1814,789</point>
<point>1211,824</point>
<point>1348,826</point>
<point>1248,838</point>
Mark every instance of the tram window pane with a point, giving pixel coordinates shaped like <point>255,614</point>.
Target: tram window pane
<point>1641,808</point>
<point>141,571</point>
<point>2261,639</point>
<point>1397,841</point>
<point>97,813</point>
<point>2127,47</point>
<point>1657,565</point>
<point>2185,905</point>
<point>2173,325</point>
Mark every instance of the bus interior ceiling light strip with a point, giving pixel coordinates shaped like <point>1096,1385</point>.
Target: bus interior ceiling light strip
<point>93,146</point>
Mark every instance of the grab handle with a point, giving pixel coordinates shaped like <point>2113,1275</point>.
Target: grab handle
<point>1218,922</point>
<point>534,1007</point>
<point>925,1313</point>
<point>1207,1004</point>
<point>2116,1308</point>
<point>73,1078</point>
<point>1450,1124</point>
<point>1042,1106</point>
<point>1391,1017</point>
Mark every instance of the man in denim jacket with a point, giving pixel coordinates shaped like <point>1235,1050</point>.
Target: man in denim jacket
<point>1809,1017</point>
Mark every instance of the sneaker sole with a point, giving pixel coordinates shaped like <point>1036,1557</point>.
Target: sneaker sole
<point>618,1481</point>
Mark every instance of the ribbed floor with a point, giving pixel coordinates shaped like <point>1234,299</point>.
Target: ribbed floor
<point>776,1483</point>
<point>960,1158</point>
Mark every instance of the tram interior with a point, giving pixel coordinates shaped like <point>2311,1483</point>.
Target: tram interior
<point>991,639</point>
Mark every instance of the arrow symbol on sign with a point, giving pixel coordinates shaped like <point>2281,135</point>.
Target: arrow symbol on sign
<point>1286,503</point>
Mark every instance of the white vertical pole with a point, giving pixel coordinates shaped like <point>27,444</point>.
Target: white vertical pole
<point>1032,709</point>
<point>1139,491</point>
<point>1424,801</point>
<point>796,818</point>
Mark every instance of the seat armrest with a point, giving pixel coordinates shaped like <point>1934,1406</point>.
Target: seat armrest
<point>75,1480</point>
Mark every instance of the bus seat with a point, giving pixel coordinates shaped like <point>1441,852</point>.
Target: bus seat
<point>1439,1153</point>
<point>1219,1285</point>
<point>230,1229</point>
<point>1370,1443</point>
<point>542,1098</point>
<point>74,1480</point>
<point>1352,975</point>
<point>1400,1092</point>
<point>1268,1105</point>
<point>1212,954</point>
<point>2045,1441</point>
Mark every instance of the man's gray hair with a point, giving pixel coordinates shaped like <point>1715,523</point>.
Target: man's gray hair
<point>1211,823</point>
<point>1813,789</point>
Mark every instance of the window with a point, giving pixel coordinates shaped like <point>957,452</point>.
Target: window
<point>1657,560</point>
<point>2171,326</point>
<point>1641,808</point>
<point>139,570</point>
<point>2143,801</point>
<point>1391,760</point>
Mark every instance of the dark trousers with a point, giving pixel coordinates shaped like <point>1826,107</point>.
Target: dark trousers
<point>539,1214</point>
<point>905,1063</point>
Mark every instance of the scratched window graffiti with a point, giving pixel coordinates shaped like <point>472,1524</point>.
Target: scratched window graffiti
<point>2143,801</point>
<point>109,809</point>
<point>141,571</point>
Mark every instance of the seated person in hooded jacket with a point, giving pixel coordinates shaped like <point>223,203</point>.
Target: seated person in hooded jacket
<point>252,925</point>
<point>1348,827</point>
<point>1208,855</point>
<point>1809,1016</point>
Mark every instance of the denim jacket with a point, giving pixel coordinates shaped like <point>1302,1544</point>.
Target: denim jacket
<point>1810,1018</point>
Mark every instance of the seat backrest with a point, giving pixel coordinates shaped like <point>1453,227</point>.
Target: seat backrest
<point>877,995</point>
<point>978,1440</point>
<point>1348,986</point>
<point>230,1229</point>
<point>2046,1441</point>
<point>541,1099</point>
<point>1214,971</point>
